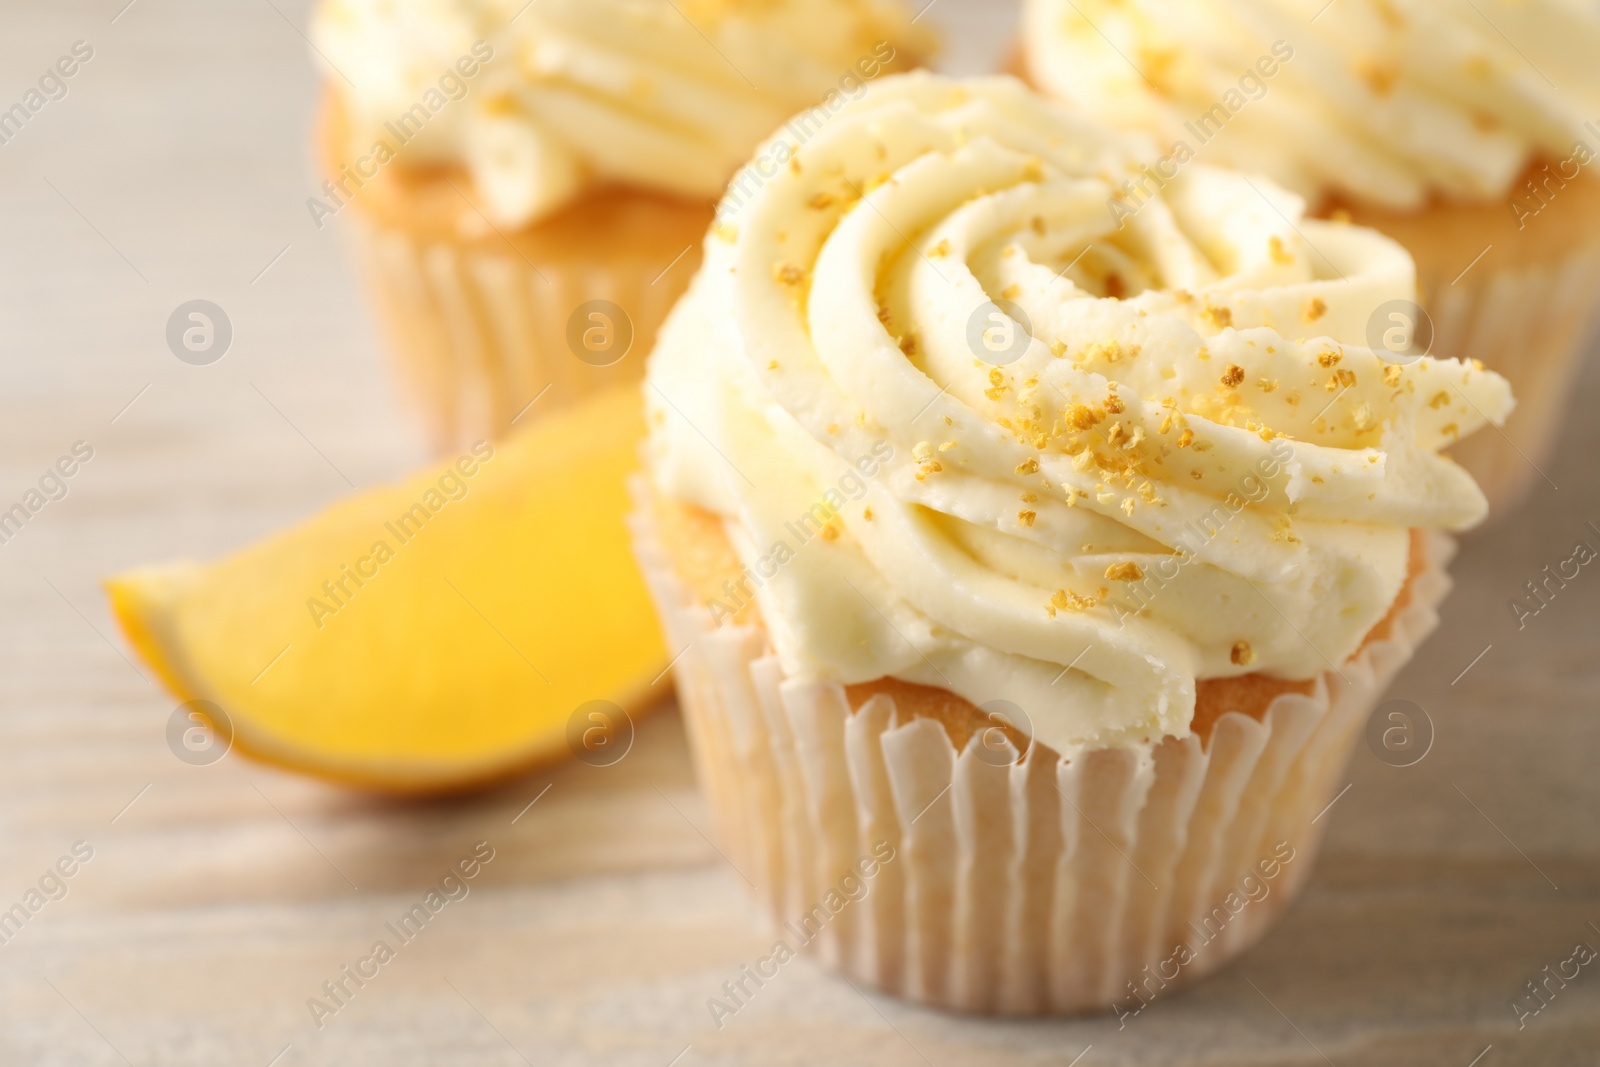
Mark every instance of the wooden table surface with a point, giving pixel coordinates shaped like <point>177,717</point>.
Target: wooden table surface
<point>218,899</point>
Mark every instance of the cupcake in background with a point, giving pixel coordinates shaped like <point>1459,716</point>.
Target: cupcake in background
<point>532,179</point>
<point>1468,132</point>
<point>1029,576</point>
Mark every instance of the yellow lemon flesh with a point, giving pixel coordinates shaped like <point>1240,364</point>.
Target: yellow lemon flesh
<point>430,636</point>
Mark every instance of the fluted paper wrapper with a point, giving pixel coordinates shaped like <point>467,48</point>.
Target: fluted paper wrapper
<point>1044,886</point>
<point>480,333</point>
<point>1530,323</point>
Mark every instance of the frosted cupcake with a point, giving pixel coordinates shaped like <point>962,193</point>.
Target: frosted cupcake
<point>1465,131</point>
<point>1031,576</point>
<point>532,179</point>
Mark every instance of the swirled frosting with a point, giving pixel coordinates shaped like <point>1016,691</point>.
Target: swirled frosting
<point>669,96</point>
<point>1388,101</point>
<point>972,424</point>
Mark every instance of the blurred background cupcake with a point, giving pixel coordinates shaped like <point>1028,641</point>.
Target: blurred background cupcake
<point>532,180</point>
<point>1027,586</point>
<point>1467,131</point>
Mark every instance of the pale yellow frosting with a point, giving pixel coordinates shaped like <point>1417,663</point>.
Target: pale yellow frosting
<point>1389,101</point>
<point>1183,465</point>
<point>668,95</point>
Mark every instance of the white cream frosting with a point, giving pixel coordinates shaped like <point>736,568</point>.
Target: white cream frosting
<point>1389,101</point>
<point>1220,428</point>
<point>669,95</point>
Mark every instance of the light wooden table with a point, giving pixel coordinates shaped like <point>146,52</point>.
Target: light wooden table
<point>220,898</point>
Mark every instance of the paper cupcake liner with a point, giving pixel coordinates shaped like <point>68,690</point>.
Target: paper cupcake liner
<point>478,333</point>
<point>1043,887</point>
<point>1530,323</point>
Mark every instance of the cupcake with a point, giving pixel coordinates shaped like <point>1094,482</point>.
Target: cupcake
<point>532,179</point>
<point>1028,575</point>
<point>1463,132</point>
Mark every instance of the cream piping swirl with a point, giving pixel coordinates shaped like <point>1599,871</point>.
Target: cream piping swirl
<point>1390,101</point>
<point>657,95</point>
<point>1170,410</point>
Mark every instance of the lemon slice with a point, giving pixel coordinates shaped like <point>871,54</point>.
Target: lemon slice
<point>430,636</point>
